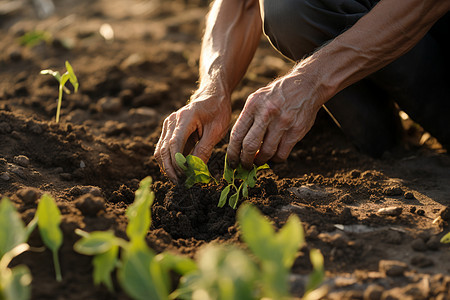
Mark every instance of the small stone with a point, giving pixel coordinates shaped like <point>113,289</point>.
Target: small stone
<point>393,191</point>
<point>22,160</point>
<point>409,195</point>
<point>433,243</point>
<point>373,292</point>
<point>419,245</point>
<point>393,211</point>
<point>82,164</point>
<point>28,195</point>
<point>110,105</point>
<point>5,176</point>
<point>90,205</point>
<point>392,268</point>
<point>421,261</point>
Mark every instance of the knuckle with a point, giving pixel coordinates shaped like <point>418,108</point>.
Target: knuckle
<point>250,145</point>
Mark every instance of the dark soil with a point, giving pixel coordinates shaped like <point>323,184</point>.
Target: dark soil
<point>93,160</point>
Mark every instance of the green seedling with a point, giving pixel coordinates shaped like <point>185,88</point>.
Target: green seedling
<point>247,177</point>
<point>34,37</point>
<point>14,282</point>
<point>446,238</point>
<point>141,273</point>
<point>69,75</point>
<point>48,220</point>
<point>194,168</point>
<point>232,273</point>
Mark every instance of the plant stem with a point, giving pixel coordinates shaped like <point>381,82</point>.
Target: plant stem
<point>57,266</point>
<point>58,108</point>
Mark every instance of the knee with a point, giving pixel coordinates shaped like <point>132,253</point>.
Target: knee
<point>297,27</point>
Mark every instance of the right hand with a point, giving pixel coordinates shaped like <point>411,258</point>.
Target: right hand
<point>196,127</point>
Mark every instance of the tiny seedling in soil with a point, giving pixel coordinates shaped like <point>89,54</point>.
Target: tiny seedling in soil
<point>69,75</point>
<point>247,177</point>
<point>194,168</point>
<point>446,238</point>
<point>34,37</point>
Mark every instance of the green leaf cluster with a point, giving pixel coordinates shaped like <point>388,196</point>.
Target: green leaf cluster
<point>194,168</point>
<point>247,178</point>
<point>140,272</point>
<point>69,75</point>
<point>227,272</point>
<point>15,282</point>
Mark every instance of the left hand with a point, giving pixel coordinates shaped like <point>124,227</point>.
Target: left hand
<point>273,120</point>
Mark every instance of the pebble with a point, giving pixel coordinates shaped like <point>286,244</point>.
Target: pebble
<point>82,164</point>
<point>5,176</point>
<point>392,268</point>
<point>422,261</point>
<point>393,191</point>
<point>22,160</point>
<point>373,292</point>
<point>419,245</point>
<point>393,211</point>
<point>90,205</point>
<point>110,105</point>
<point>29,195</point>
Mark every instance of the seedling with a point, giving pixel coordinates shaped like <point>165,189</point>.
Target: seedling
<point>34,37</point>
<point>248,180</point>
<point>69,75</point>
<point>446,238</point>
<point>194,168</point>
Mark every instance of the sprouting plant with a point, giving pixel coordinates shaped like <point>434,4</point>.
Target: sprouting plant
<point>141,273</point>
<point>194,168</point>
<point>69,75</point>
<point>446,238</point>
<point>231,273</point>
<point>34,37</point>
<point>247,177</point>
<point>48,219</point>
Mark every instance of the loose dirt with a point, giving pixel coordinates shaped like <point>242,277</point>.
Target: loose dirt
<point>93,160</point>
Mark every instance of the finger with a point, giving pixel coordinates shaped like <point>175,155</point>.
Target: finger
<point>166,156</point>
<point>269,146</point>
<point>182,130</point>
<point>190,143</point>
<point>252,143</point>
<point>287,143</point>
<point>238,133</point>
<point>161,140</point>
<point>205,145</point>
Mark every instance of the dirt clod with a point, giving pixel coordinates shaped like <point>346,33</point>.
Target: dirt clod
<point>29,195</point>
<point>422,261</point>
<point>419,245</point>
<point>392,268</point>
<point>90,205</point>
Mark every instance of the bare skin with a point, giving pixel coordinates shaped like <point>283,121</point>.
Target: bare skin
<point>277,116</point>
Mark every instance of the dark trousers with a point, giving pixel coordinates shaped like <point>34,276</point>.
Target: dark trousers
<point>418,82</point>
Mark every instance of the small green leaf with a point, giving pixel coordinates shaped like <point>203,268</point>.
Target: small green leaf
<point>181,265</point>
<point>104,264</point>
<point>32,38</point>
<point>446,238</point>
<point>228,172</point>
<point>138,213</point>
<point>72,77</point>
<point>318,273</point>
<point>241,173</point>
<point>264,166</point>
<point>290,239</point>
<point>96,242</point>
<point>244,190</point>
<point>181,161</point>
<point>49,219</point>
<point>233,200</point>
<point>251,180</point>
<point>197,164</point>
<point>140,276</point>
<point>12,231</point>
<point>223,196</point>
<point>15,284</point>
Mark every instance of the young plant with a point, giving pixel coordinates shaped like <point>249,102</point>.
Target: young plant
<point>194,168</point>
<point>69,75</point>
<point>446,238</point>
<point>48,219</point>
<point>141,273</point>
<point>231,273</point>
<point>247,177</point>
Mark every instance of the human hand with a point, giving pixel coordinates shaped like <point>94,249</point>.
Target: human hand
<point>196,127</point>
<point>273,120</point>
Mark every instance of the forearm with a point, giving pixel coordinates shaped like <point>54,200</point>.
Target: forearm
<point>232,33</point>
<point>387,32</point>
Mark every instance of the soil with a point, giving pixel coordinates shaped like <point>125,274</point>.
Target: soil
<point>93,160</point>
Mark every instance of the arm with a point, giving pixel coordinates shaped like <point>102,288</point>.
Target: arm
<point>233,30</point>
<point>277,116</point>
